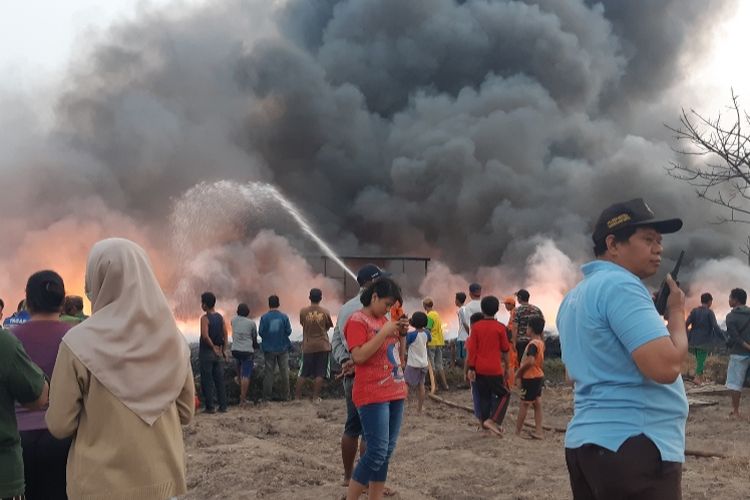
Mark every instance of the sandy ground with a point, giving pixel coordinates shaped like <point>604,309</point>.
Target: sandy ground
<point>291,451</point>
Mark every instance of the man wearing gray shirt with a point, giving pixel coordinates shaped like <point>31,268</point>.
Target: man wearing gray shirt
<point>244,343</point>
<point>340,352</point>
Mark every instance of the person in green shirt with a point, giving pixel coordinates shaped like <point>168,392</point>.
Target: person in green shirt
<point>73,310</point>
<point>23,382</point>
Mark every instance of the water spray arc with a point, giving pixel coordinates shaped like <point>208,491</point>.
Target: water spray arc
<point>295,213</point>
<point>235,204</point>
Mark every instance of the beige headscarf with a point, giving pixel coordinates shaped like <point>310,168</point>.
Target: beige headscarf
<point>131,342</point>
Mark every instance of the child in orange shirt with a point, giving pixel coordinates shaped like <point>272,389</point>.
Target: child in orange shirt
<point>532,377</point>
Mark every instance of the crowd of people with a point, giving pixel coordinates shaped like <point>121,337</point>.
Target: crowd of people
<point>383,355</point>
<point>67,380</point>
<point>93,407</point>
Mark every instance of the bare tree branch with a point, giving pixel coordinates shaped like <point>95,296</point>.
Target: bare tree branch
<point>716,160</point>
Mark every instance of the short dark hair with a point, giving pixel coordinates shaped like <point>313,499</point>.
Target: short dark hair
<point>45,292</point>
<point>73,305</point>
<point>490,305</point>
<point>461,297</point>
<point>621,236</point>
<point>273,301</point>
<point>383,287</point>
<point>2,304</point>
<point>739,295</point>
<point>418,320</point>
<point>243,310</point>
<point>706,298</point>
<point>208,299</point>
<point>537,324</point>
<point>523,295</point>
<point>21,306</point>
<point>475,317</point>
<point>316,295</point>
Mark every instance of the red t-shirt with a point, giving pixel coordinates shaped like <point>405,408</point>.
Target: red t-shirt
<point>487,340</point>
<point>379,379</point>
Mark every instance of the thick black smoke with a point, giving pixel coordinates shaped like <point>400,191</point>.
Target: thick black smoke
<point>468,131</point>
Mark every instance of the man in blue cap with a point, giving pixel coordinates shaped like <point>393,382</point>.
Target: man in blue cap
<point>627,435</point>
<point>340,352</point>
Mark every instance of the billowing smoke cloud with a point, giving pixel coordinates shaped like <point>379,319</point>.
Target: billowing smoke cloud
<point>485,134</point>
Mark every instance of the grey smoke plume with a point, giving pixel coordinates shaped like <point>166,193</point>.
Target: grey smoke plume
<point>478,132</point>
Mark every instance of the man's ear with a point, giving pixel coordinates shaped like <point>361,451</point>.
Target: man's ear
<point>611,244</point>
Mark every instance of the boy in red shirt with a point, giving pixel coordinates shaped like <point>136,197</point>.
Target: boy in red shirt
<point>488,348</point>
<point>532,377</point>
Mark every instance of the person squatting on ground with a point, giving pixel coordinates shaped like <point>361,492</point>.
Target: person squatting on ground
<point>703,331</point>
<point>211,354</point>
<point>738,332</point>
<point>22,382</point>
<point>315,321</point>
<point>379,389</point>
<point>437,344</point>
<point>488,348</point>
<point>244,344</point>
<point>350,438</point>
<point>44,456</point>
<point>523,313</point>
<point>531,375</point>
<point>627,435</point>
<point>417,360</point>
<point>123,385</point>
<point>274,330</point>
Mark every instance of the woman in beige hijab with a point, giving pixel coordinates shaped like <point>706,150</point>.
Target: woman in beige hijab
<point>122,384</point>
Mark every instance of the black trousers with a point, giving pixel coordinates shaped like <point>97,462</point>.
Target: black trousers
<point>489,406</point>
<point>212,379</point>
<point>635,472</point>
<point>44,461</point>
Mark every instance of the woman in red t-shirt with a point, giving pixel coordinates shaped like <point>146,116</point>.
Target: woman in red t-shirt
<point>379,389</point>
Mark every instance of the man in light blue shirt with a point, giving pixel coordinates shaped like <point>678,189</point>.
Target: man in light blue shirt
<point>627,435</point>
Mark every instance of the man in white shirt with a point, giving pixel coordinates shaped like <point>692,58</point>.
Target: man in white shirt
<point>463,332</point>
<point>474,306</point>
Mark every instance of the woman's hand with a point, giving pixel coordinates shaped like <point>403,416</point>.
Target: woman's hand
<point>390,329</point>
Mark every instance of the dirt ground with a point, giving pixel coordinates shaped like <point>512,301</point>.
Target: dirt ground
<point>291,451</point>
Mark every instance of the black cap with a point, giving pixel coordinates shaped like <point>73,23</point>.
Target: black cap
<point>369,272</point>
<point>475,288</point>
<point>633,213</point>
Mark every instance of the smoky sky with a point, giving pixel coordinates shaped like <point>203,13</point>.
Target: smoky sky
<point>459,130</point>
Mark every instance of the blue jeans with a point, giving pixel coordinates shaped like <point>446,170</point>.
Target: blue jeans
<point>381,423</point>
<point>461,349</point>
<point>353,426</point>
